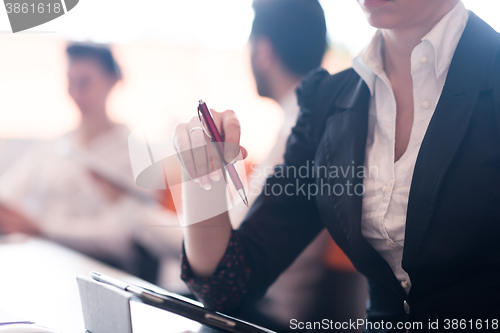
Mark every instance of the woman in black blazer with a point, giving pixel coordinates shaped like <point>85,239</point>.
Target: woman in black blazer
<point>451,250</point>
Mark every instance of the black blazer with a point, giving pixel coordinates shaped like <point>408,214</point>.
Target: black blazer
<point>452,239</point>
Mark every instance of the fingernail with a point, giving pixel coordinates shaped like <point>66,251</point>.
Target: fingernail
<point>196,180</point>
<point>216,175</point>
<point>205,182</point>
<point>215,178</point>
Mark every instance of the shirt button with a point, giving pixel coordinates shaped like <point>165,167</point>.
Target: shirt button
<point>388,243</point>
<point>404,284</point>
<point>406,306</point>
<point>423,60</point>
<point>426,104</point>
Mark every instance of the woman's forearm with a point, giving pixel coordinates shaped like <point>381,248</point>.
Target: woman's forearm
<point>207,227</point>
<point>206,242</point>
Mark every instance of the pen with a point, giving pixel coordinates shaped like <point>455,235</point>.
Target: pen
<point>213,133</point>
<point>109,280</point>
<point>124,286</point>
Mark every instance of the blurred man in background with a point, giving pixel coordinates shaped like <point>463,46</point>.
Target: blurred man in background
<point>79,190</point>
<point>288,40</point>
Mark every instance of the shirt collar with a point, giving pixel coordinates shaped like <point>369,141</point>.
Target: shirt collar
<point>443,37</point>
<point>291,108</point>
<point>289,103</point>
<point>369,63</point>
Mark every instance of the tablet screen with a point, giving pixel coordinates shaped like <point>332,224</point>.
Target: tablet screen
<point>152,320</point>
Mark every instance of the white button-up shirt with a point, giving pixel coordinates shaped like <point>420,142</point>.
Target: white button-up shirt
<point>386,194</point>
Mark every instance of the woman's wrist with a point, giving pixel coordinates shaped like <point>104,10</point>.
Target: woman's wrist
<point>201,204</point>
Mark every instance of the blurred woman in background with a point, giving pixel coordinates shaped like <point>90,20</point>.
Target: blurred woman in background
<point>79,189</point>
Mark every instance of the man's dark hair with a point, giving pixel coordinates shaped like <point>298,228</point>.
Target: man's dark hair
<point>100,53</point>
<point>296,29</point>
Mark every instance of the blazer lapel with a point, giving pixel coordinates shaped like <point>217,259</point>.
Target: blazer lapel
<point>345,149</point>
<point>345,144</point>
<point>467,77</point>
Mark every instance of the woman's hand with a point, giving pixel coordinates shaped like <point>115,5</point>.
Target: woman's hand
<point>206,242</point>
<point>13,221</point>
<point>201,161</point>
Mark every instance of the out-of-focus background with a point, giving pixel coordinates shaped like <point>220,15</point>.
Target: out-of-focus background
<point>172,53</point>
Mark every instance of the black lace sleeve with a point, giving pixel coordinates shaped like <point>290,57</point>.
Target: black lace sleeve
<point>225,289</point>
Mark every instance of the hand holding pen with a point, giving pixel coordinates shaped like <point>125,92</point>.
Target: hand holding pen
<point>206,163</point>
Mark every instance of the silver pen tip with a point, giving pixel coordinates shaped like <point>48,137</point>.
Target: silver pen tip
<point>200,101</point>
<point>243,196</point>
